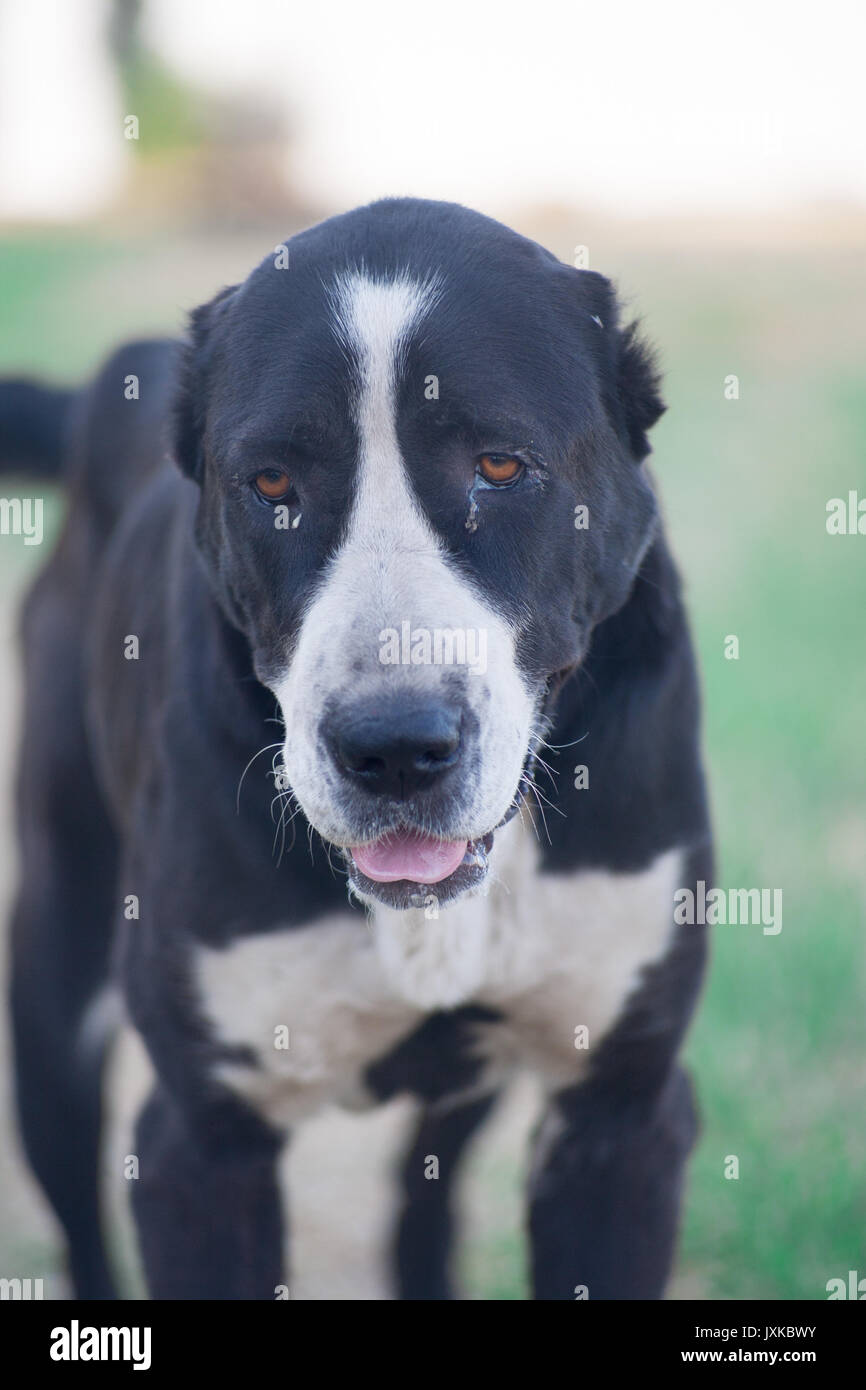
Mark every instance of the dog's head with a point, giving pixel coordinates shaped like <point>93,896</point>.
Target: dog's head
<point>419,439</point>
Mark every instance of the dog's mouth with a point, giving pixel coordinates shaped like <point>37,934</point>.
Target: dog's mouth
<point>407,868</point>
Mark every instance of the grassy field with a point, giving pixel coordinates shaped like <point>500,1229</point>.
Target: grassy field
<point>779,1042</point>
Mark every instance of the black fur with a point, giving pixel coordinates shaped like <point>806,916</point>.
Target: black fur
<point>33,426</point>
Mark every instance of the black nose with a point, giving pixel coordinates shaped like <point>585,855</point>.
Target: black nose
<point>395,750</point>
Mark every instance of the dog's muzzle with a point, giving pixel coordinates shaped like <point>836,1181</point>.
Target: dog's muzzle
<point>404,765</point>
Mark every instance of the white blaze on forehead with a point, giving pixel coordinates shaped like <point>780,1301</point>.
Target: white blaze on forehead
<point>392,568</point>
<point>374,321</point>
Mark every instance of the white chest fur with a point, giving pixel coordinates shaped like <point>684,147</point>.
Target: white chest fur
<point>553,953</point>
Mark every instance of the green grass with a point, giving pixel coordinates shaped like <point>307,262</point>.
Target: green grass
<point>778,1042</point>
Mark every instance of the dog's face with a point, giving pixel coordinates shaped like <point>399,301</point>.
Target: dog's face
<point>419,440</point>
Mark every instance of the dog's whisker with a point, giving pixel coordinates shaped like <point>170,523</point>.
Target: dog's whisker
<point>266,749</point>
<point>525,805</point>
<point>552,804</point>
<point>560,747</point>
<point>541,801</point>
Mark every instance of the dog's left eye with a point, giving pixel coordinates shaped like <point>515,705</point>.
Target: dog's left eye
<point>500,469</point>
<point>273,485</point>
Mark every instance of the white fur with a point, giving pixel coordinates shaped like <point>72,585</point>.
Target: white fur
<point>391,569</point>
<point>326,985</point>
<point>551,952</point>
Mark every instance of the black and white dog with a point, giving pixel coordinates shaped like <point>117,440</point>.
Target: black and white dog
<point>392,492</point>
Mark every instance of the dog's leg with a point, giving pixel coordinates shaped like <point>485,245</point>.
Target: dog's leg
<point>61,934</point>
<point>605,1191</point>
<point>59,1076</point>
<point>424,1232</point>
<point>207,1204</point>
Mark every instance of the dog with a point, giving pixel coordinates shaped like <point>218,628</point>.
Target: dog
<point>362,748</point>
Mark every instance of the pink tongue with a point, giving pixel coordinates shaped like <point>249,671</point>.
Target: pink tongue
<point>419,858</point>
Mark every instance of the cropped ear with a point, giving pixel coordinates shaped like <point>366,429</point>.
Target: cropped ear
<point>638,383</point>
<point>188,414</point>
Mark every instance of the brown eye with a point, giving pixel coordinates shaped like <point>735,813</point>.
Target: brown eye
<point>273,485</point>
<point>499,469</point>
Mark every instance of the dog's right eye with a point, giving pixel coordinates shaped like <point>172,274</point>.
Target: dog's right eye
<point>273,485</point>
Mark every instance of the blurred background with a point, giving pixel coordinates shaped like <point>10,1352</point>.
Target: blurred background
<point>712,160</point>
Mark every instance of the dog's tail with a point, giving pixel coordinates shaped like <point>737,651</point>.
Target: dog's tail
<point>33,427</point>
